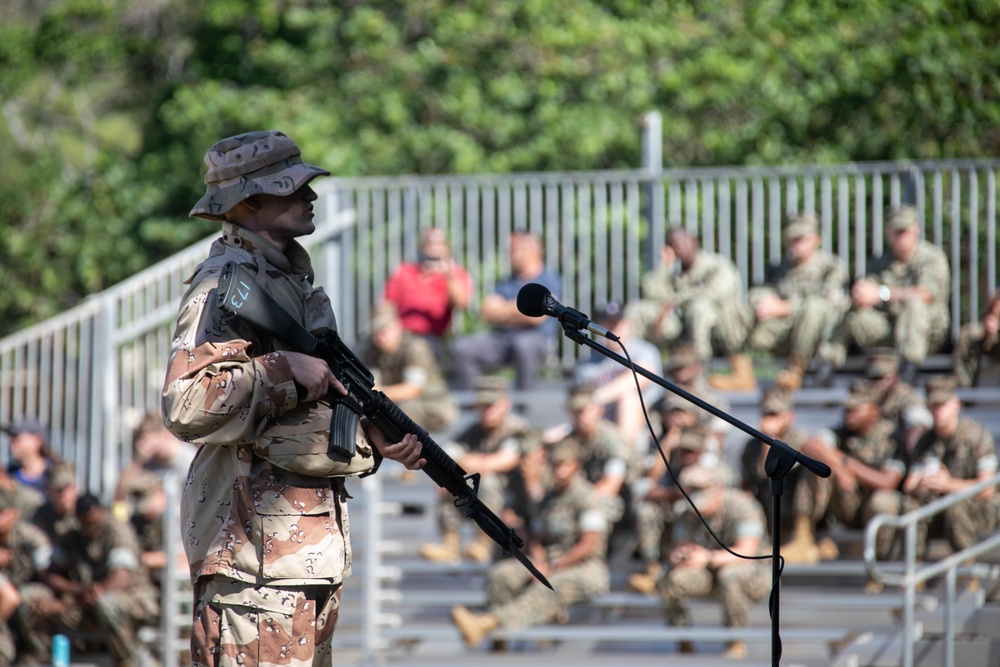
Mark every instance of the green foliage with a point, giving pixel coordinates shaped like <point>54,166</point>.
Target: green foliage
<point>109,105</point>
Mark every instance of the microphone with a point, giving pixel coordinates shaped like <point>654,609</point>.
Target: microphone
<point>536,300</point>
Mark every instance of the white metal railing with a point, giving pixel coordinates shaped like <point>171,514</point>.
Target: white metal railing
<point>914,575</point>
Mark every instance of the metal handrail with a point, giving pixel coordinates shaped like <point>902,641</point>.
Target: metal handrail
<point>913,575</point>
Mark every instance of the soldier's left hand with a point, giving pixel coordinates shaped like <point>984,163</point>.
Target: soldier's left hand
<point>406,451</point>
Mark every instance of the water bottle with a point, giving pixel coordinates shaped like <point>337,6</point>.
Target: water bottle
<point>60,651</point>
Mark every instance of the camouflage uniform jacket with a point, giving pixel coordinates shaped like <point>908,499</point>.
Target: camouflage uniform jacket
<point>823,275</point>
<point>711,277</point>
<point>603,453</point>
<point>245,518</point>
<point>880,449</point>
<point>512,433</point>
<point>740,516</point>
<point>114,547</point>
<point>414,354</point>
<point>970,452</point>
<point>928,268</point>
<point>31,553</point>
<point>562,517</point>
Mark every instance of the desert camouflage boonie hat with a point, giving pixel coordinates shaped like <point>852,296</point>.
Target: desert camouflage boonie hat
<point>264,162</point>
<point>800,225</point>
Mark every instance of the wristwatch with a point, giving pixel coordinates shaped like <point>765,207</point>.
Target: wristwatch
<point>883,293</point>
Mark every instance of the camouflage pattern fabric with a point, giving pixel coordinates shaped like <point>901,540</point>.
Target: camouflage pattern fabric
<point>897,398</point>
<point>240,625</point>
<point>971,451</point>
<point>513,431</point>
<point>31,554</point>
<point>758,484</point>
<point>245,518</point>
<point>973,344</point>
<point>912,327</point>
<point>704,302</point>
<point>435,408</point>
<point>563,517</point>
<point>817,293</point>
<point>602,452</point>
<point>738,585</point>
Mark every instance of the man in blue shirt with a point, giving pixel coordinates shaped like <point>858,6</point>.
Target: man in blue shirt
<point>513,338</point>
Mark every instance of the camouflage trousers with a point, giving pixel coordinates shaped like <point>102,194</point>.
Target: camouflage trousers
<point>738,587</point>
<point>491,493</point>
<point>855,509</point>
<point>518,601</point>
<point>652,529</point>
<point>813,322</point>
<point>711,326</point>
<point>970,348</point>
<point>240,625</point>
<point>963,524</point>
<point>914,332</point>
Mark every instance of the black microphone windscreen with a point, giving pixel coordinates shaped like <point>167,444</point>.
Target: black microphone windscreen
<point>531,299</point>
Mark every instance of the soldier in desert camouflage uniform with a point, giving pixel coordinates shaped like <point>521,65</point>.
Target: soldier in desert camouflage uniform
<point>902,301</point>
<point>899,402</point>
<point>801,302</point>
<point>867,463</point>
<point>976,340</point>
<point>568,544</point>
<point>492,446</point>
<point>268,546</point>
<point>701,303</point>
<point>407,372</point>
<point>956,453</point>
<point>701,567</point>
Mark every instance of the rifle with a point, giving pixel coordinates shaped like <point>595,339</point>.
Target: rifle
<point>239,295</point>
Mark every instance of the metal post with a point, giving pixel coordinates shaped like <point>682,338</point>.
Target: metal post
<point>652,164</point>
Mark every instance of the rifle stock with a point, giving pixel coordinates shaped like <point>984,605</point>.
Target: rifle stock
<point>239,295</point>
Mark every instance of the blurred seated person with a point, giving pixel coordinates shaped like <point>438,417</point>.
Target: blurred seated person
<point>902,302</point>
<point>867,463</point>
<point>512,338</point>
<point>801,302</point>
<point>428,292</point>
<point>57,516</point>
<point>977,340</point>
<point>492,447</point>
<point>700,567</point>
<point>147,500</point>
<point>955,453</point>
<point>655,497</point>
<point>30,453</point>
<point>899,401</point>
<point>407,372</point>
<point>25,556</point>
<point>615,386</point>
<point>155,450</point>
<point>567,543</point>
<point>685,368</point>
<point>799,515</point>
<point>104,587</point>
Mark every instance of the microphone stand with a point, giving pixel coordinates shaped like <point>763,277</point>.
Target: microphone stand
<point>780,460</point>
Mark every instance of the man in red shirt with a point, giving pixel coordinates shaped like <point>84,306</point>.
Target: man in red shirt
<point>428,291</point>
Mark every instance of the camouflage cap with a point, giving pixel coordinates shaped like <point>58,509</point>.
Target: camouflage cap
<point>940,389</point>
<point>800,225</point>
<point>264,162</point>
<point>384,315</point>
<point>675,402</point>
<point>59,475</point>
<point>903,217</point>
<point>567,449</point>
<point>490,389</point>
<point>863,392</point>
<point>698,477</point>
<point>882,362</point>
<point>580,396</point>
<point>693,440</point>
<point>681,355</point>
<point>777,400</point>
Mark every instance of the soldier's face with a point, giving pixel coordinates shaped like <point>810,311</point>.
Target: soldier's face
<point>491,414</point>
<point>388,338</point>
<point>946,416</point>
<point>564,471</point>
<point>802,249</point>
<point>288,217</point>
<point>904,242</point>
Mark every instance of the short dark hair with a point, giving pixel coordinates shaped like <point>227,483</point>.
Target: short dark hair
<point>87,502</point>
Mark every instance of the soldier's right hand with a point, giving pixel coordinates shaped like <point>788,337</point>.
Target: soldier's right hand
<point>313,375</point>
